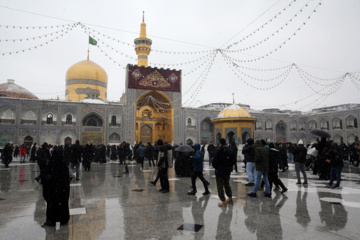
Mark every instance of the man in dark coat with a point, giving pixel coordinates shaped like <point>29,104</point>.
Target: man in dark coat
<point>56,189</point>
<point>6,155</point>
<point>300,158</point>
<point>43,156</point>
<point>249,155</point>
<point>336,164</point>
<point>164,162</point>
<point>223,162</point>
<point>88,156</point>
<point>198,159</point>
<point>76,151</point>
<point>211,149</point>
<point>262,169</point>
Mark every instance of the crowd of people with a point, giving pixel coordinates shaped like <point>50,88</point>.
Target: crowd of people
<point>262,160</point>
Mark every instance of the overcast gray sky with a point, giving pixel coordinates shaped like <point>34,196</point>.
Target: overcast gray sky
<point>326,47</point>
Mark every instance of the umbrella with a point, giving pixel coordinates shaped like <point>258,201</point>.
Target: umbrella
<point>184,149</point>
<point>320,133</point>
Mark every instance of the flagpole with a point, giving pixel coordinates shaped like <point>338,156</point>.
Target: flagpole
<point>88,51</point>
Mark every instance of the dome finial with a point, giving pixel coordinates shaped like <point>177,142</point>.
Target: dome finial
<point>233,98</point>
<point>143,16</point>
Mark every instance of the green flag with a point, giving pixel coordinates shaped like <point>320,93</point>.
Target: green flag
<point>92,41</point>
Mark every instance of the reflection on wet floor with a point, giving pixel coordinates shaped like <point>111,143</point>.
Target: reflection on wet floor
<point>106,204</point>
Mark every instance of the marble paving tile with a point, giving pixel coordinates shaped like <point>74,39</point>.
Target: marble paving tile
<point>77,211</point>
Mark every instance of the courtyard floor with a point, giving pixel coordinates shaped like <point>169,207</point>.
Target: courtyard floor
<point>107,204</point>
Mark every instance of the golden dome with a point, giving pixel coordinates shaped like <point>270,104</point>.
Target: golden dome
<point>86,79</point>
<point>234,111</point>
<point>86,70</point>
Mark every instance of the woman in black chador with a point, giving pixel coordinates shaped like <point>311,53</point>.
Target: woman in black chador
<point>56,189</point>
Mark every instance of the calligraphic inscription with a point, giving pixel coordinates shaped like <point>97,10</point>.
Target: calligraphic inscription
<point>154,79</point>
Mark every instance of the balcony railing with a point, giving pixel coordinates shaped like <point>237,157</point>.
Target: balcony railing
<point>27,122</point>
<point>7,121</point>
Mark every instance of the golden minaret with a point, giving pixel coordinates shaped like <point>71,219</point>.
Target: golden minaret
<point>143,45</point>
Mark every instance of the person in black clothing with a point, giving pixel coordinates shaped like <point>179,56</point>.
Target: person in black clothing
<point>249,158</point>
<point>211,149</point>
<point>88,156</point>
<point>223,162</point>
<point>128,154</point>
<point>76,152</point>
<point>283,157</point>
<point>108,150</point>
<point>164,162</point>
<point>333,158</point>
<point>6,155</point>
<point>56,189</point>
<point>273,169</point>
<point>300,158</point>
<point>323,166</point>
<point>122,153</point>
<point>235,152</point>
<point>33,153</point>
<point>16,151</point>
<point>43,156</point>
<point>113,155</point>
<point>149,153</point>
<point>67,154</point>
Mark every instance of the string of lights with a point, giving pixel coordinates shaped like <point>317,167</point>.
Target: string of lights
<point>262,26</point>
<point>230,65</point>
<point>265,80</point>
<point>36,27</point>
<point>306,78</point>
<point>203,80</point>
<point>323,97</point>
<point>153,50</point>
<point>255,69</point>
<point>198,66</point>
<point>205,72</point>
<point>317,78</point>
<point>34,37</point>
<point>41,44</point>
<point>110,58</point>
<point>283,43</point>
<point>353,80</point>
<point>280,29</point>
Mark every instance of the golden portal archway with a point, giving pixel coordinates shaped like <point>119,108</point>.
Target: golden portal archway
<point>154,110</point>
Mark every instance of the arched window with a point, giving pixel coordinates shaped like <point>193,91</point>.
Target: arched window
<point>338,139</point>
<point>230,137</point>
<point>189,121</point>
<point>293,125</point>
<point>113,120</point>
<point>92,121</point>
<point>49,118</point>
<point>69,119</point>
<point>302,125</point>
<point>245,136</point>
<point>324,124</point>
<point>337,123</point>
<point>351,122</point>
<point>312,125</point>
<point>258,124</point>
<point>268,125</point>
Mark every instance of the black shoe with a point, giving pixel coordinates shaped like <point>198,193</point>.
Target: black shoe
<point>249,184</point>
<point>268,195</point>
<point>191,193</point>
<point>206,193</point>
<point>164,191</point>
<point>284,190</point>
<point>77,179</point>
<point>252,194</point>
<point>298,183</point>
<point>37,179</point>
<point>160,189</point>
<point>48,224</point>
<point>153,183</point>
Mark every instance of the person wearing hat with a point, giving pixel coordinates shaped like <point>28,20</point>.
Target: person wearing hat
<point>300,158</point>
